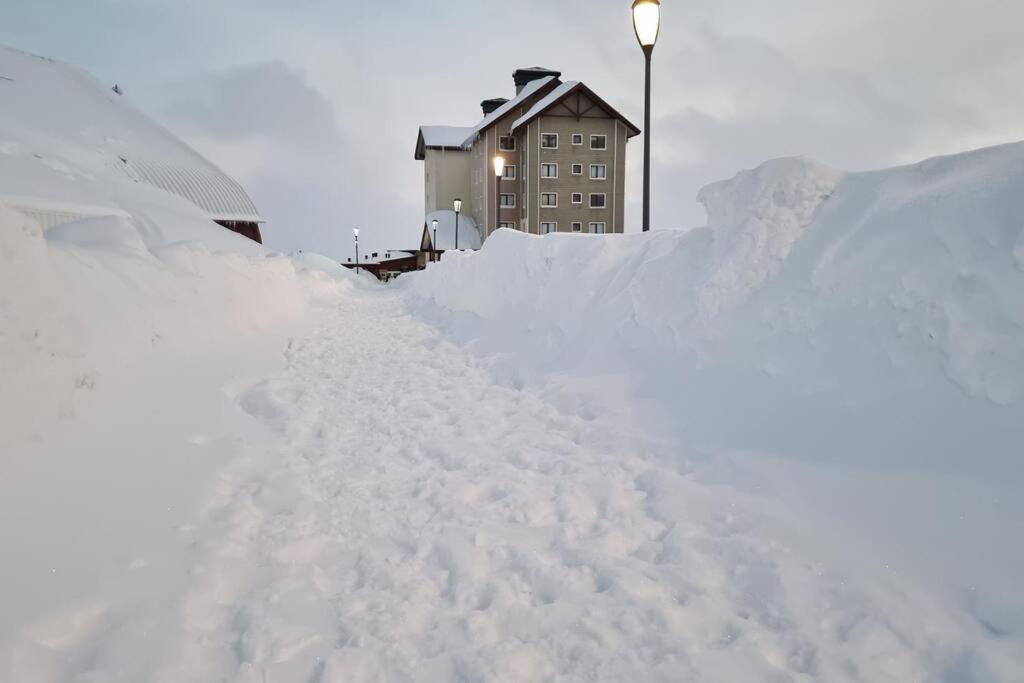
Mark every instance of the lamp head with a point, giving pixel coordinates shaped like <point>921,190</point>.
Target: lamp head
<point>458,206</point>
<point>435,224</point>
<point>355,231</point>
<point>647,22</point>
<point>499,166</point>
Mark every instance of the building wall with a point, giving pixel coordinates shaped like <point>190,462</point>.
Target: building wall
<point>446,177</point>
<point>613,187</point>
<point>483,187</point>
<point>528,157</point>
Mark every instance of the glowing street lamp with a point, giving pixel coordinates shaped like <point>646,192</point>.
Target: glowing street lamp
<point>458,210</point>
<point>647,25</point>
<point>355,231</point>
<point>499,171</point>
<point>434,243</point>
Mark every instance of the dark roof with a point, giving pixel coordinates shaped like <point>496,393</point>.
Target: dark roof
<point>564,91</point>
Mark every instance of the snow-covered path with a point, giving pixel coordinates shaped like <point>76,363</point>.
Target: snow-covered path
<point>398,515</point>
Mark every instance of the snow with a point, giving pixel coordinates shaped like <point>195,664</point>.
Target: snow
<point>847,348</point>
<point>469,233</point>
<point>50,158</point>
<point>555,95</point>
<point>528,91</point>
<point>445,136</point>
<point>781,447</point>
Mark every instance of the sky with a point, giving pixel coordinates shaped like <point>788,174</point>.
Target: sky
<point>314,105</point>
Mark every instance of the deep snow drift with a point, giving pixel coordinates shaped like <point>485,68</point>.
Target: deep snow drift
<point>780,448</point>
<point>851,343</point>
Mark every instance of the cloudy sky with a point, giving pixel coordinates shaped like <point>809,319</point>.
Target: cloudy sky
<point>314,104</point>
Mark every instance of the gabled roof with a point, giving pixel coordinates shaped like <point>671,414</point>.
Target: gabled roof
<point>217,194</point>
<point>532,88</point>
<point>559,94</point>
<point>440,137</point>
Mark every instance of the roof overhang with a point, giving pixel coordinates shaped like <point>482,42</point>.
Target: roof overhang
<point>632,130</point>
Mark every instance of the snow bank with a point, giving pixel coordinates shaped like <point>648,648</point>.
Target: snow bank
<point>828,333</point>
<point>117,364</point>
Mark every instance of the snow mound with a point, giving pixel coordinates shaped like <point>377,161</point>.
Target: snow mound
<point>834,332</point>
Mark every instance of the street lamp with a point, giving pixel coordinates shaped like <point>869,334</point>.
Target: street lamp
<point>434,243</point>
<point>647,25</point>
<point>499,170</point>
<point>355,231</point>
<point>458,210</point>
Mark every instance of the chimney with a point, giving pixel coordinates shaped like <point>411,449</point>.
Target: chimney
<point>490,105</point>
<point>527,75</point>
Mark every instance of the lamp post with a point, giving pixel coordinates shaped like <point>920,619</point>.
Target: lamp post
<point>499,170</point>
<point>458,210</point>
<point>647,24</point>
<point>434,243</point>
<point>355,231</point>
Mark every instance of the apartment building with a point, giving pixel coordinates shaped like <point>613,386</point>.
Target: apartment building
<point>564,153</point>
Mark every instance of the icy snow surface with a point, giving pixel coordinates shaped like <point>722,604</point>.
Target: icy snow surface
<point>781,448</point>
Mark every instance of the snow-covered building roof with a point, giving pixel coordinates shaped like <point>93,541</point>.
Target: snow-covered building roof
<point>548,100</point>
<point>563,91</point>
<point>528,91</point>
<point>217,194</point>
<point>64,136</point>
<point>469,233</point>
<point>441,137</point>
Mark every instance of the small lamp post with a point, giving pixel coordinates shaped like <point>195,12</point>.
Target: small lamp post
<point>434,243</point>
<point>458,210</point>
<point>355,231</point>
<point>647,25</point>
<point>499,171</point>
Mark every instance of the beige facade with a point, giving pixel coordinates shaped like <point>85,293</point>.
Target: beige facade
<point>446,177</point>
<point>565,153</point>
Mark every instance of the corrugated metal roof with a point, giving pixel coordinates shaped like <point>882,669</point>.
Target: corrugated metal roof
<point>218,195</point>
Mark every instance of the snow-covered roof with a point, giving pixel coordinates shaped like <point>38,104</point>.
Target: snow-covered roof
<point>469,233</point>
<point>60,127</point>
<point>444,136</point>
<point>552,97</point>
<point>529,90</point>
<point>218,195</point>
<point>563,91</point>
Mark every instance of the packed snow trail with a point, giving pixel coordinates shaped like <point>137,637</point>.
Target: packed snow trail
<point>397,515</point>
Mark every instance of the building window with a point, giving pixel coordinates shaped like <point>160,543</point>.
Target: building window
<point>507,224</point>
<point>598,172</point>
<point>577,197</point>
<point>549,170</point>
<point>577,139</point>
<point>577,227</point>
<point>549,200</point>
<point>598,201</point>
<point>510,173</point>
<point>507,143</point>
<point>508,201</point>
<point>577,169</point>
<point>549,141</point>
<point>598,142</point>
<point>547,228</point>
<point>597,229</point>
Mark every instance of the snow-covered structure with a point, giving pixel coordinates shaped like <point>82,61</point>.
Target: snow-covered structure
<point>69,146</point>
<point>564,150</point>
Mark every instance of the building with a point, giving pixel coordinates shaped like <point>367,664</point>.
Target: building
<point>71,145</point>
<point>564,150</point>
<point>424,246</point>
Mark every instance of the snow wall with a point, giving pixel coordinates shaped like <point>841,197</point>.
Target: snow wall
<point>854,341</point>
